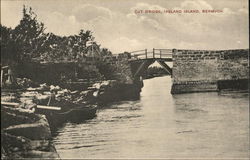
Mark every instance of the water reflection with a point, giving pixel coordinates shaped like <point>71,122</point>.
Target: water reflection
<point>160,125</point>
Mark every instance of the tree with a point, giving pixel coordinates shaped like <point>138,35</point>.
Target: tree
<point>29,35</point>
<point>105,52</point>
<point>28,40</point>
<point>70,47</point>
<point>81,42</point>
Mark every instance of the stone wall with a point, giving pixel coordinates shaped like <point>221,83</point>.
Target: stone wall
<point>200,70</point>
<point>123,71</point>
<point>117,68</point>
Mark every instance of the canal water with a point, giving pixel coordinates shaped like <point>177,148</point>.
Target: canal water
<point>161,125</point>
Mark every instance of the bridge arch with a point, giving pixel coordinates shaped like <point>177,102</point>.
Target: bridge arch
<point>140,60</point>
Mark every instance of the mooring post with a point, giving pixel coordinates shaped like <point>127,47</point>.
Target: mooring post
<point>153,53</point>
<point>146,53</point>
<point>160,53</point>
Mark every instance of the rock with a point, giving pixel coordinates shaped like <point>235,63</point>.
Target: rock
<point>33,131</point>
<point>7,98</point>
<point>44,86</point>
<point>15,116</point>
<point>63,92</point>
<point>96,93</point>
<point>54,88</point>
<point>3,153</point>
<point>39,145</point>
<point>25,135</point>
<point>105,83</point>
<point>8,119</point>
<point>96,85</point>
<point>88,94</point>
<point>41,97</point>
<point>25,82</point>
<point>12,142</point>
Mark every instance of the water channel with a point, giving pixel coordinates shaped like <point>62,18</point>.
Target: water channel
<point>161,125</point>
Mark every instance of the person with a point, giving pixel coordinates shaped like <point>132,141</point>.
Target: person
<point>53,91</point>
<point>52,97</point>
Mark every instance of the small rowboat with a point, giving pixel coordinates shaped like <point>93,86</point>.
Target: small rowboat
<point>57,115</point>
<point>38,106</point>
<point>75,114</point>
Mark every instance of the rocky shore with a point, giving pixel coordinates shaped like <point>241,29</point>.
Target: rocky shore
<point>50,71</point>
<point>26,134</point>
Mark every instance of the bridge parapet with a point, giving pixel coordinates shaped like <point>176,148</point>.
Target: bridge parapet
<point>164,54</point>
<point>140,60</point>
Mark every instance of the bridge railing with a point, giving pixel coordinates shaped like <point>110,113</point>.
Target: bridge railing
<point>162,53</point>
<point>139,54</point>
<point>154,54</point>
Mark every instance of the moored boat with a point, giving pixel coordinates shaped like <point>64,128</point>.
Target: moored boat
<point>75,114</point>
<point>56,116</point>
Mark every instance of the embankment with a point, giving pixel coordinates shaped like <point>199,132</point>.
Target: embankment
<point>206,70</point>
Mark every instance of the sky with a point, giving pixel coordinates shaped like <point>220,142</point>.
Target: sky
<point>117,25</point>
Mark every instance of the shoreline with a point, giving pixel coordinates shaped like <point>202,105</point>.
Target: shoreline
<point>101,93</point>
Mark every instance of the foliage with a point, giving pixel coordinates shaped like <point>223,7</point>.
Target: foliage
<point>106,70</point>
<point>28,41</point>
<point>9,47</point>
<point>105,52</point>
<point>25,40</point>
<point>155,71</point>
<point>29,34</point>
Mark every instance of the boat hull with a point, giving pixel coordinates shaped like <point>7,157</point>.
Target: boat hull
<point>73,115</point>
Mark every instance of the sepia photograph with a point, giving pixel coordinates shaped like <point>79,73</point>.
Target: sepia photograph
<point>125,79</point>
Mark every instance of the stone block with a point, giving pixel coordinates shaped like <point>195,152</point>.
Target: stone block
<point>34,131</point>
<point>193,87</point>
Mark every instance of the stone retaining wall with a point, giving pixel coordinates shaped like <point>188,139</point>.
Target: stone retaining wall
<point>200,70</point>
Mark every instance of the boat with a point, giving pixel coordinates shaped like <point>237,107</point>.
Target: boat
<point>57,116</point>
<point>76,114</point>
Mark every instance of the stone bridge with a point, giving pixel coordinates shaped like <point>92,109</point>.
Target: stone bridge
<point>196,70</point>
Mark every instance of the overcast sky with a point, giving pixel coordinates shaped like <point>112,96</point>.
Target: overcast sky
<point>116,26</point>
